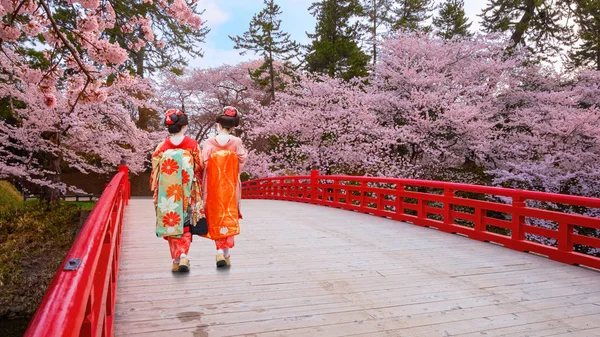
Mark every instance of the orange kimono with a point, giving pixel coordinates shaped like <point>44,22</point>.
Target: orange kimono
<point>222,188</point>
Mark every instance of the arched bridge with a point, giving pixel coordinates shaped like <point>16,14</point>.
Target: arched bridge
<point>370,264</point>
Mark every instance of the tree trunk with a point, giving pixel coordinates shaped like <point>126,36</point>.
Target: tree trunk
<point>272,76</point>
<point>598,57</point>
<point>523,24</point>
<point>374,33</point>
<point>144,115</point>
<point>50,194</point>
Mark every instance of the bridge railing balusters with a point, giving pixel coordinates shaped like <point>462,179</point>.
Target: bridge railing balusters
<point>483,213</point>
<point>518,220</point>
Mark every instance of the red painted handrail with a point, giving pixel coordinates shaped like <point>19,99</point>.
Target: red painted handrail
<point>447,211</point>
<point>81,298</point>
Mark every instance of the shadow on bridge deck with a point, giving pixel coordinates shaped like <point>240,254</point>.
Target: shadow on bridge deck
<point>304,270</point>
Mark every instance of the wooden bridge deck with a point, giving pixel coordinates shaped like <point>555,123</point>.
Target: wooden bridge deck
<point>304,270</point>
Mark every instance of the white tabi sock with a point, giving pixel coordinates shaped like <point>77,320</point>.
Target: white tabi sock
<point>226,253</point>
<point>219,251</point>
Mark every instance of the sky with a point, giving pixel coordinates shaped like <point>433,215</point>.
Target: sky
<point>232,17</point>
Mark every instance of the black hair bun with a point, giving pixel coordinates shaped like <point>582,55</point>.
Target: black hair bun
<point>175,120</point>
<point>229,118</point>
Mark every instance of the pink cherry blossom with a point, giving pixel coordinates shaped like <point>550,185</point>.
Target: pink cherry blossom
<point>88,24</point>
<point>9,33</point>
<point>109,16</point>
<point>32,28</point>
<point>50,100</point>
<point>79,96</point>
<point>91,4</point>
<point>105,52</point>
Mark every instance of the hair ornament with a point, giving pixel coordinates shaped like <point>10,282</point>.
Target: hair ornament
<point>170,113</point>
<point>230,112</point>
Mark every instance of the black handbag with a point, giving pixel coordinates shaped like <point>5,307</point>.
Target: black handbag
<point>200,228</point>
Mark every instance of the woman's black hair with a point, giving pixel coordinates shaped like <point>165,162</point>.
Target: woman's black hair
<point>175,120</point>
<point>229,118</point>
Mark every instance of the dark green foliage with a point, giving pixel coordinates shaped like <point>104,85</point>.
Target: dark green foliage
<point>334,50</point>
<point>181,41</point>
<point>377,13</point>
<point>410,15</point>
<point>452,20</point>
<point>536,24</point>
<point>587,53</point>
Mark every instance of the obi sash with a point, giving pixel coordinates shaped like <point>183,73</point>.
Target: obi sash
<point>221,205</point>
<point>174,185</point>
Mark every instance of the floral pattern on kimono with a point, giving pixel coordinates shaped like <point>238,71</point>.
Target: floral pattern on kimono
<point>175,180</point>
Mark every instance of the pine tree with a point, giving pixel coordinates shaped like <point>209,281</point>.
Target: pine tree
<point>452,20</point>
<point>411,15</point>
<point>587,54</point>
<point>536,24</point>
<point>377,13</point>
<point>334,50</point>
<point>265,37</point>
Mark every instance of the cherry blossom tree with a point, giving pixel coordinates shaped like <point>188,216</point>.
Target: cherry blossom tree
<point>440,96</point>
<point>321,123</point>
<point>202,93</point>
<point>549,140</point>
<point>65,99</point>
<point>459,110</point>
<point>550,133</point>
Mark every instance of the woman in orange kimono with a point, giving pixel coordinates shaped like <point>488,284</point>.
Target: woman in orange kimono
<point>176,174</point>
<point>224,157</point>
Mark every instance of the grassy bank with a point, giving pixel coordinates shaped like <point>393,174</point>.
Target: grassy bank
<point>33,243</point>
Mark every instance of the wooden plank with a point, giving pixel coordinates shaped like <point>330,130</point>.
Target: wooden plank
<point>320,271</point>
<point>548,328</point>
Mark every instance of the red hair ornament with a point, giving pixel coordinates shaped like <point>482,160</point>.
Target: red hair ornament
<point>170,113</point>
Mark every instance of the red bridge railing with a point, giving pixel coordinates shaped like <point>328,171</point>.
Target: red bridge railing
<point>504,216</point>
<point>81,298</point>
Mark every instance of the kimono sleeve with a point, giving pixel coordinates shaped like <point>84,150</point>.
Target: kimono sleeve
<point>155,169</point>
<point>242,154</point>
<point>198,163</point>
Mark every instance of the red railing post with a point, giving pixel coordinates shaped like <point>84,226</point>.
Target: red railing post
<point>479,225</point>
<point>314,182</point>
<point>422,212</point>
<point>349,194</point>
<point>399,201</point>
<point>565,239</point>
<point>127,190</point>
<point>518,220</point>
<point>361,199</point>
<point>448,205</point>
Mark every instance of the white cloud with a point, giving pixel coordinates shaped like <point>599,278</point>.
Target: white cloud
<point>214,57</point>
<point>214,15</point>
